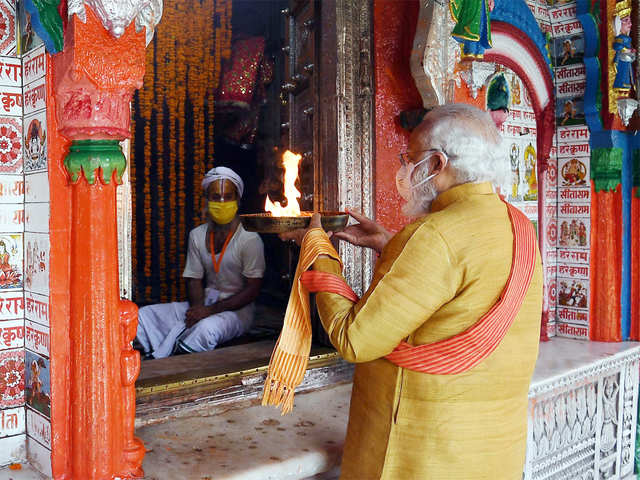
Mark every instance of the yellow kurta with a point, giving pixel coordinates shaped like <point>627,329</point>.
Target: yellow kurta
<point>433,280</point>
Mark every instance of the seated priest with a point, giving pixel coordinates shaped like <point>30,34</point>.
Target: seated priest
<point>224,270</point>
<point>445,339</point>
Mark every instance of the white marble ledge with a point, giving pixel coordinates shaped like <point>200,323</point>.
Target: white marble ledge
<point>562,361</point>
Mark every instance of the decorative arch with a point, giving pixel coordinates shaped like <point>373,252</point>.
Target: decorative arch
<point>517,50</point>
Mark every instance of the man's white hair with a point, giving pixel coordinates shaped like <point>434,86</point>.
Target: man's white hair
<point>473,145</point>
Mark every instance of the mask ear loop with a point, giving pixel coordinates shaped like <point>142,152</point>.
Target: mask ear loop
<point>429,177</point>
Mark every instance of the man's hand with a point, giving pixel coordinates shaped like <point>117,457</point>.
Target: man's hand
<point>197,313</point>
<point>366,233</point>
<point>297,235</point>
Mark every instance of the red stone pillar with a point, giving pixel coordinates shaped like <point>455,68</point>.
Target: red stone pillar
<point>94,79</point>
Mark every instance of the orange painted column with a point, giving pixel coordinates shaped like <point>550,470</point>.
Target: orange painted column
<point>93,420</point>
<point>635,264</point>
<point>606,258</point>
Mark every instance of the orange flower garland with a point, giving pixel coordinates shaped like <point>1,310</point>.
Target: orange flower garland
<point>183,66</point>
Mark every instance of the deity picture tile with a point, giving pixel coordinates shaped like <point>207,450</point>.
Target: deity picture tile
<point>574,172</point>
<point>36,187</point>
<point>39,456</point>
<point>523,163</point>
<point>28,39</point>
<point>12,422</point>
<point>12,378</point>
<point>11,305</point>
<point>35,142</point>
<point>36,217</point>
<point>579,331</point>
<point>10,71</point>
<point>11,217</point>
<point>11,261</point>
<point>13,449</point>
<point>36,338</point>
<point>8,26</point>
<point>570,110</point>
<point>573,292</point>
<point>37,388</point>
<point>35,96</point>
<point>36,263</point>
<point>574,232</point>
<point>38,427</point>
<point>36,308</point>
<point>568,43</point>
<point>11,189</point>
<point>34,65</point>
<point>11,334</point>
<point>10,145</point>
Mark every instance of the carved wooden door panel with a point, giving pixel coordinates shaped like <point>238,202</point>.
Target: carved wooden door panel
<point>300,93</point>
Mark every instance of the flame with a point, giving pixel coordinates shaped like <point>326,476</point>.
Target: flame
<point>290,161</point>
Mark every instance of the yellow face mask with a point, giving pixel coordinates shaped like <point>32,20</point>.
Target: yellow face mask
<point>223,212</point>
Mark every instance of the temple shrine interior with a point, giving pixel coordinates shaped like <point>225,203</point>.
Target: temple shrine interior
<point>109,121</point>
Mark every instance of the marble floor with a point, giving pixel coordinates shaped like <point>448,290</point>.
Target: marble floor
<point>25,473</point>
<point>255,443</point>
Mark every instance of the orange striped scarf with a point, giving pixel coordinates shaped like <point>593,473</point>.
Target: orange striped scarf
<point>464,351</point>
<point>291,354</point>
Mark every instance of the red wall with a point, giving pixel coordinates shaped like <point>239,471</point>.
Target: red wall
<point>394,26</point>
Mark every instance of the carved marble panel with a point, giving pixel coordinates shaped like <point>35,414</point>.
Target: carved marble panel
<point>582,423</point>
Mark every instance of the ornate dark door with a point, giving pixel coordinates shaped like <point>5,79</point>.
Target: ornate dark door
<point>300,93</point>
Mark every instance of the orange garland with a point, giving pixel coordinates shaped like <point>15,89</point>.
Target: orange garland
<point>183,63</point>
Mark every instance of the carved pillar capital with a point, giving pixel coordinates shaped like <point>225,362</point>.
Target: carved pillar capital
<point>95,77</point>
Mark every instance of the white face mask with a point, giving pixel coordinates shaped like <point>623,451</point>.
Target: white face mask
<point>403,177</point>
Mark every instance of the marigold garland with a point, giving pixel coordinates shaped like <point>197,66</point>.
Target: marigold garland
<point>173,141</point>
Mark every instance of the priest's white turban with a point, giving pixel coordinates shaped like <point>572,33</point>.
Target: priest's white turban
<point>223,173</point>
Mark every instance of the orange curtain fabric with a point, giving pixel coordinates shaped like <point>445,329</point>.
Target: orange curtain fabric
<point>606,265</point>
<point>173,141</point>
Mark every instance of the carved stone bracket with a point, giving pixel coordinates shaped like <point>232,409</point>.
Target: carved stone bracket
<point>435,54</point>
<point>117,15</point>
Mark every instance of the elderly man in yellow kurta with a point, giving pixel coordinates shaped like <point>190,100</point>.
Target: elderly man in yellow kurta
<point>446,337</point>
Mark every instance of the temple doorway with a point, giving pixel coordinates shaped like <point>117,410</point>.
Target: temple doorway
<point>265,102</point>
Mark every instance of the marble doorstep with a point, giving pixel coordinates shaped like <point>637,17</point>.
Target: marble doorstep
<point>255,443</point>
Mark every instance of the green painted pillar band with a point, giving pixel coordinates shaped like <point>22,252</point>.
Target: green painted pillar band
<point>606,168</point>
<point>87,156</point>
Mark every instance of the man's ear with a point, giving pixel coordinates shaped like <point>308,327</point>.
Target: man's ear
<point>439,163</point>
